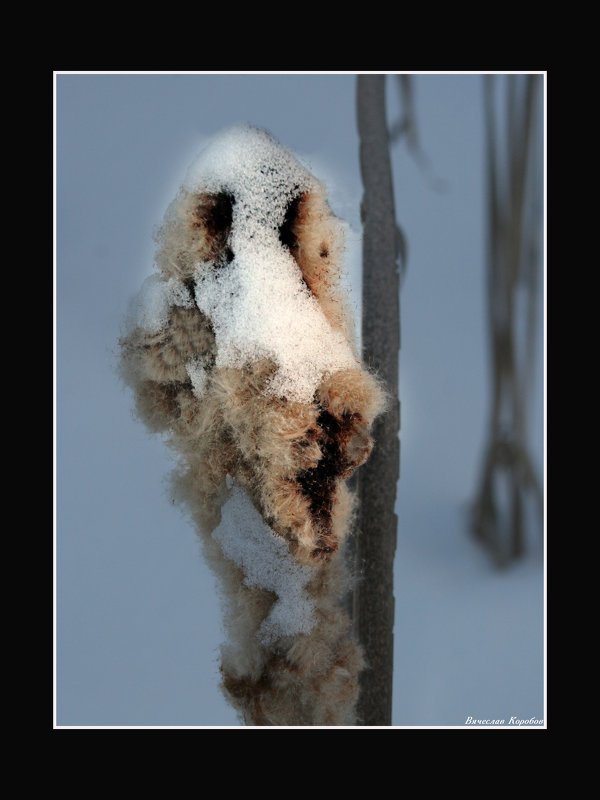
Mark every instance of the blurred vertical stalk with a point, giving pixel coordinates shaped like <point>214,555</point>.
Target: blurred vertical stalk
<point>373,601</point>
<point>508,478</point>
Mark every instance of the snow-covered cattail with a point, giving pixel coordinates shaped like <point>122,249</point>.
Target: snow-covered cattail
<point>241,349</point>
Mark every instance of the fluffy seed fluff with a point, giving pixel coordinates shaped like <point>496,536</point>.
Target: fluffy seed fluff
<point>240,348</point>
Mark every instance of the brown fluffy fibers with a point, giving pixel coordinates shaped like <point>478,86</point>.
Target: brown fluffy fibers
<point>242,353</point>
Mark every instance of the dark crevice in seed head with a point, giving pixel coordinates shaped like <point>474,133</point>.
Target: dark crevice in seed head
<point>218,222</point>
<point>214,214</point>
<point>318,484</point>
<point>287,233</point>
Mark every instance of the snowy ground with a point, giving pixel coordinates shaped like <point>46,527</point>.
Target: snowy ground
<point>468,638</point>
<point>137,616</point>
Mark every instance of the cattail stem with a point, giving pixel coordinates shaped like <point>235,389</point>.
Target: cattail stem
<point>373,607</point>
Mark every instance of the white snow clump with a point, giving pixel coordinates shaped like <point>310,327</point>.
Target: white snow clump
<point>198,375</point>
<point>267,564</point>
<point>258,304</point>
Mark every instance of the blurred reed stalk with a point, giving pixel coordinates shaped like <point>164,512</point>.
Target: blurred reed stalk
<point>508,484</point>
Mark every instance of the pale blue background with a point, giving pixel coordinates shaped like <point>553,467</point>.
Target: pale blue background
<point>137,616</point>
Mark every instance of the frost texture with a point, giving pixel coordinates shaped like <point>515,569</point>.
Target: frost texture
<point>267,564</point>
<point>258,304</point>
